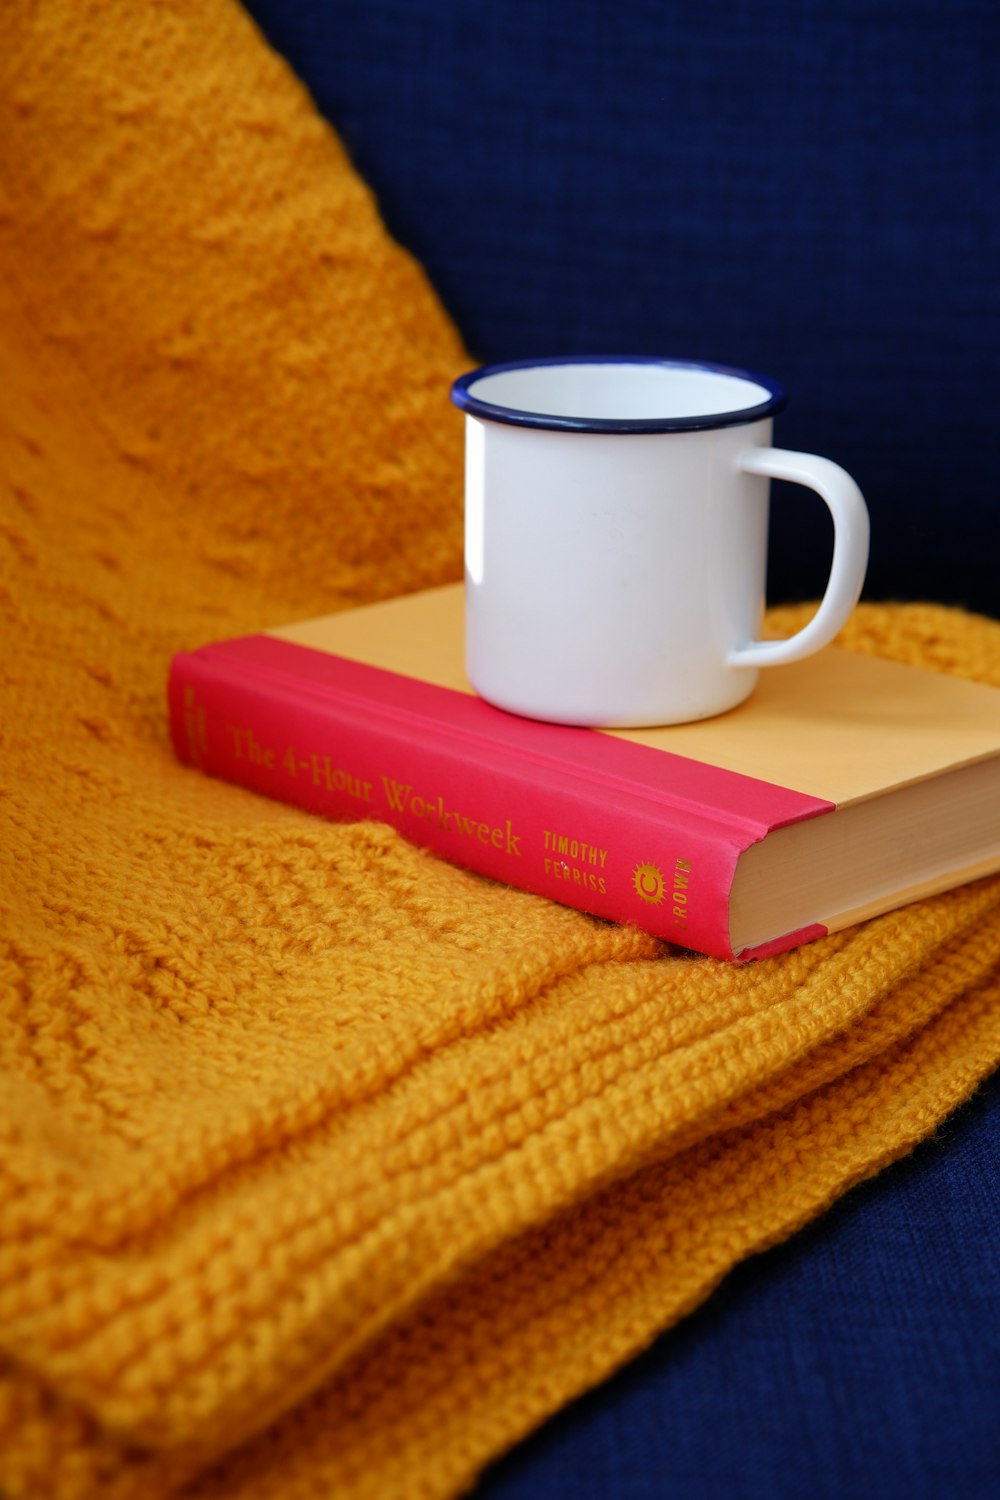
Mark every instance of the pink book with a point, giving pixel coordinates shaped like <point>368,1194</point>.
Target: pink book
<point>845,786</point>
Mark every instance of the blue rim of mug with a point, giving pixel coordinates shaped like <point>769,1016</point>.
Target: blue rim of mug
<point>463,397</point>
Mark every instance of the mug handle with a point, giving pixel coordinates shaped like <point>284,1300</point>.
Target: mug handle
<point>851,531</point>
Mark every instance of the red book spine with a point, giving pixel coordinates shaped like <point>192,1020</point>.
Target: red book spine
<point>598,823</point>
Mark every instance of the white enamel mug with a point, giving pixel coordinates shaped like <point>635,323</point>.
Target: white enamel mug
<point>616,537</point>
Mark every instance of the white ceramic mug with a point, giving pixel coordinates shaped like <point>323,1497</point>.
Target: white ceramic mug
<point>616,537</point>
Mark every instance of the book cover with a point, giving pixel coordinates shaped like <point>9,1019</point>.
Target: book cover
<point>844,786</point>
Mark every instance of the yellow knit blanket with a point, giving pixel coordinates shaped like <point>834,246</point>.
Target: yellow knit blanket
<point>326,1168</point>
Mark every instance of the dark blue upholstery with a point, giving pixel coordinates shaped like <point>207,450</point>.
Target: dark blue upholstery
<point>861,1361</point>
<point>805,187</point>
<point>809,188</point>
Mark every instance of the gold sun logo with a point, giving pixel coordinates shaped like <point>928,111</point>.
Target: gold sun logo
<point>648,883</point>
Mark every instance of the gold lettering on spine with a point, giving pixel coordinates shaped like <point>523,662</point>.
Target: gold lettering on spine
<point>682,875</point>
<point>319,769</point>
<point>195,727</point>
<point>403,799</point>
<point>246,746</point>
<point>574,848</point>
<point>586,880</point>
<point>587,859</point>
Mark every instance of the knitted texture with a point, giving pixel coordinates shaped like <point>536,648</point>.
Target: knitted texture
<point>327,1168</point>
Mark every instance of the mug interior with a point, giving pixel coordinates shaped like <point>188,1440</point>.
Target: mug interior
<point>609,394</point>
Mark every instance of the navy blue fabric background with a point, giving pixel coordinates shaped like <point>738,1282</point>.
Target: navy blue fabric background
<point>860,1361</point>
<point>808,188</point>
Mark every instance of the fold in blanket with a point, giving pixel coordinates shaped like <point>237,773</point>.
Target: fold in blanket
<point>326,1168</point>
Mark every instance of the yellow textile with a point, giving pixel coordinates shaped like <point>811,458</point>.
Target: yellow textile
<point>326,1168</point>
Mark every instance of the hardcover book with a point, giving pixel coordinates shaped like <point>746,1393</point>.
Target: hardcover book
<point>845,786</point>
